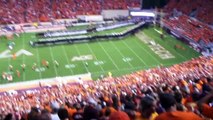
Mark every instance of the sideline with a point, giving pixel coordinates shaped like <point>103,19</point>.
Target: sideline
<point>45,82</point>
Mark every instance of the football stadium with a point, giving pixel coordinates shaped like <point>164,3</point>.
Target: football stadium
<point>106,60</point>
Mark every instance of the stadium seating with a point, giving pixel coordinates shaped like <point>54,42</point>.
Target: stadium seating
<point>191,28</point>
<point>191,81</point>
<point>188,26</point>
<point>196,8</point>
<point>187,87</point>
<point>46,10</point>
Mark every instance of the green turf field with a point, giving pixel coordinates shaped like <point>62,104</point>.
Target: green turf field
<point>116,56</point>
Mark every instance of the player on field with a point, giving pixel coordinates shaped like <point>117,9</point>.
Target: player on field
<point>43,62</point>
<point>9,77</point>
<point>18,73</point>
<point>47,64</point>
<point>109,74</point>
<point>14,56</point>
<point>4,75</point>
<point>10,67</point>
<point>34,66</point>
<point>23,67</point>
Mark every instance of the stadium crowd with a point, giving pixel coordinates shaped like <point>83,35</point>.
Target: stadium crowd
<point>191,28</point>
<point>180,92</point>
<point>194,8</point>
<point>47,10</point>
<point>183,91</point>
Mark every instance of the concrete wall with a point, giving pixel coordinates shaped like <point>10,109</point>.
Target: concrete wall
<point>108,14</point>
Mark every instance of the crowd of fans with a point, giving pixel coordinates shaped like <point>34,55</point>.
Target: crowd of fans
<point>191,28</point>
<point>120,4</point>
<point>196,8</point>
<point>21,11</point>
<point>180,92</point>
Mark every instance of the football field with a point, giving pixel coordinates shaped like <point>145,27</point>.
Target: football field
<point>122,56</point>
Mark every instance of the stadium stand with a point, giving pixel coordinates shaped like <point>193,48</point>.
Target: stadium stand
<point>193,8</point>
<point>191,19</point>
<point>47,10</point>
<point>187,86</point>
<point>182,90</point>
<point>191,28</point>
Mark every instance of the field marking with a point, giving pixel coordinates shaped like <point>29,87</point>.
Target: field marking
<point>80,54</point>
<point>23,61</point>
<point>36,83</point>
<point>155,47</point>
<point>145,49</point>
<point>135,68</point>
<point>134,53</point>
<point>158,31</point>
<point>124,69</point>
<point>120,53</point>
<point>95,56</point>
<point>65,53</point>
<point>184,58</point>
<point>38,60</point>
<point>51,54</point>
<point>108,55</point>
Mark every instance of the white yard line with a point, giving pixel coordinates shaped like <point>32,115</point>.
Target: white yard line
<point>160,32</point>
<point>135,54</point>
<point>81,61</point>
<point>23,61</point>
<point>146,39</point>
<point>38,60</point>
<point>120,53</point>
<point>135,68</point>
<point>146,50</point>
<point>51,53</point>
<point>109,56</point>
<point>181,55</point>
<point>124,69</point>
<point>95,56</point>
<point>65,53</point>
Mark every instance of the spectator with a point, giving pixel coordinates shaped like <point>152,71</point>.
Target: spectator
<point>90,113</point>
<point>9,117</point>
<point>54,110</point>
<point>45,115</point>
<point>79,114</point>
<point>148,106</point>
<point>54,115</point>
<point>119,115</point>
<point>128,89</point>
<point>34,114</point>
<point>63,114</point>
<point>178,97</point>
<point>168,102</point>
<point>206,105</point>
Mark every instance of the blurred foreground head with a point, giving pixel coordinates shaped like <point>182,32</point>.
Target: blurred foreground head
<point>119,115</point>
